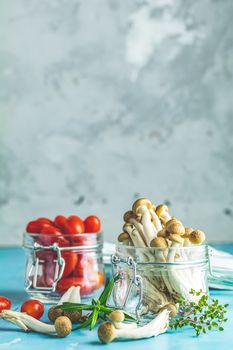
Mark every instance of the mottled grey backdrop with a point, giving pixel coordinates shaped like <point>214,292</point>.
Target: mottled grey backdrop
<point>102,101</point>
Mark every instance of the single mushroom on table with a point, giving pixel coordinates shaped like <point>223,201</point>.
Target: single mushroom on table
<point>62,326</point>
<point>142,208</point>
<point>107,332</point>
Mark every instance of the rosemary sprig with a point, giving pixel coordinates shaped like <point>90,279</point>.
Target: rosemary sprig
<point>205,314</point>
<point>98,307</point>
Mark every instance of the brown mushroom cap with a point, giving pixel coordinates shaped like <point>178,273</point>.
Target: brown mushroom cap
<point>116,316</point>
<point>63,326</point>
<point>73,315</point>
<point>124,236</point>
<point>160,209</point>
<point>176,238</point>
<point>197,237</point>
<point>170,307</point>
<point>54,313</point>
<point>188,230</point>
<point>159,242</point>
<point>129,215</point>
<point>175,227</point>
<point>172,221</point>
<point>106,332</point>
<point>139,202</point>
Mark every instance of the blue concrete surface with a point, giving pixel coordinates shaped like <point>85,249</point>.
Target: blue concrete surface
<point>12,285</point>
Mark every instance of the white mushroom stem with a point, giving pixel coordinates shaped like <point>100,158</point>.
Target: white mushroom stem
<point>27,322</point>
<point>121,325</point>
<point>157,326</point>
<point>134,235</point>
<point>139,228</point>
<point>146,223</point>
<point>155,220</point>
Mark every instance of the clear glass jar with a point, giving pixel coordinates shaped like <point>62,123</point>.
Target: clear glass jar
<point>153,277</point>
<point>55,263</point>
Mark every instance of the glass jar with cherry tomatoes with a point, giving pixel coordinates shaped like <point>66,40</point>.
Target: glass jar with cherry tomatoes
<point>55,261</point>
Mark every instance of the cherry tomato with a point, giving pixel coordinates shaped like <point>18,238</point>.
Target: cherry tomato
<point>71,259</point>
<point>49,267</point>
<point>33,308</point>
<point>5,303</point>
<point>84,266</point>
<point>99,279</point>
<point>74,225</point>
<point>54,236</point>
<point>92,224</point>
<point>35,226</point>
<point>85,286</point>
<point>60,221</point>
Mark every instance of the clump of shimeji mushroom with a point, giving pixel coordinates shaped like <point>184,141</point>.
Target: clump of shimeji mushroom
<point>149,226</point>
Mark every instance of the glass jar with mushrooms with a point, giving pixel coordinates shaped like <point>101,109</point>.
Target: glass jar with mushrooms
<point>158,260</point>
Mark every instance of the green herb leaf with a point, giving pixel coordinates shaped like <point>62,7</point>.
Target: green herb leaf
<point>204,314</point>
<point>94,318</point>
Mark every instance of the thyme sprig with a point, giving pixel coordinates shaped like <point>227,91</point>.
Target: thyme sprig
<point>98,307</point>
<point>205,314</point>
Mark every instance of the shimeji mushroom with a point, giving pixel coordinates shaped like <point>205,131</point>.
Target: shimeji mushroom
<point>131,218</point>
<point>72,295</point>
<point>162,212</point>
<point>197,237</point>
<point>142,207</point>
<point>124,238</point>
<point>177,241</point>
<point>62,326</point>
<point>134,235</point>
<point>161,244</point>
<point>107,332</point>
<point>117,317</point>
<point>187,242</point>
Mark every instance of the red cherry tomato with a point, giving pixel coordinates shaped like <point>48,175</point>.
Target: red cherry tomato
<point>45,221</point>
<point>84,266</point>
<point>71,259</point>
<point>74,225</point>
<point>65,283</point>
<point>60,221</point>
<point>99,279</point>
<point>92,224</point>
<point>35,226</point>
<point>54,236</point>
<point>33,308</point>
<point>5,303</point>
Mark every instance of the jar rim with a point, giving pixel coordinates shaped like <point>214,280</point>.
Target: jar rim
<point>85,234</point>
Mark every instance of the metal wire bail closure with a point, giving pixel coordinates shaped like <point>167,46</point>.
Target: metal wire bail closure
<point>136,280</point>
<point>32,275</point>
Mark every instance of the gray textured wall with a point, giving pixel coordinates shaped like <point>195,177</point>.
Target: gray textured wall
<point>103,101</point>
